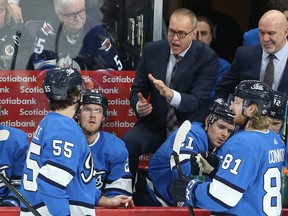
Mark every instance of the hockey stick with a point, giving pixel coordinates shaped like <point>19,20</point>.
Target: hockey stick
<point>19,195</point>
<point>17,40</point>
<point>179,139</point>
<point>285,127</point>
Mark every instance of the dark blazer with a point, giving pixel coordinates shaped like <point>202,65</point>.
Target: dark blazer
<point>194,80</point>
<point>246,66</point>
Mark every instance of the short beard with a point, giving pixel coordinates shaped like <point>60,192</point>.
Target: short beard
<point>240,120</point>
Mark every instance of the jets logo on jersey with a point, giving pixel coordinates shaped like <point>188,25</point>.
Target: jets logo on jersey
<point>89,167</point>
<point>99,181</point>
<point>9,49</point>
<point>47,29</point>
<point>69,71</point>
<point>106,44</point>
<point>68,62</point>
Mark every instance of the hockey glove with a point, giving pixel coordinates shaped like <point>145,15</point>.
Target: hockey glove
<point>10,201</point>
<point>196,165</point>
<point>178,188</point>
<point>210,163</point>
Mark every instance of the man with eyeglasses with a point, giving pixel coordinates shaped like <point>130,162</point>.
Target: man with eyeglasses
<point>109,153</point>
<point>73,39</point>
<point>153,92</point>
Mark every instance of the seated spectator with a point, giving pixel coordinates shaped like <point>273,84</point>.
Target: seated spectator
<point>109,152</point>
<point>15,40</point>
<point>211,135</point>
<point>205,34</point>
<point>14,4</point>
<point>73,39</point>
<point>14,145</point>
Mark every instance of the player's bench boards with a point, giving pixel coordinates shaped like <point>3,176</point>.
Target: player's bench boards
<point>138,211</point>
<point>24,103</point>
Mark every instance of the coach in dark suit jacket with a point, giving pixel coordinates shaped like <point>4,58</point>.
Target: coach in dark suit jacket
<point>250,62</point>
<point>193,81</point>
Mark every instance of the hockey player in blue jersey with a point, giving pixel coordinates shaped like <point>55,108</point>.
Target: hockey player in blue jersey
<point>277,113</point>
<point>248,180</point>
<point>14,146</point>
<point>58,177</point>
<point>73,39</point>
<point>209,136</point>
<point>109,152</point>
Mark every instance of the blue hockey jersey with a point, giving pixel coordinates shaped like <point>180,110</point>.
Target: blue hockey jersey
<point>111,165</point>
<point>14,146</point>
<point>58,177</point>
<point>162,169</point>
<point>249,180</point>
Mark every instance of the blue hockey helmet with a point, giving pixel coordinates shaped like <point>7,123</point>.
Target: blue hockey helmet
<point>220,109</point>
<point>254,91</point>
<point>95,96</point>
<point>58,81</point>
<point>277,110</point>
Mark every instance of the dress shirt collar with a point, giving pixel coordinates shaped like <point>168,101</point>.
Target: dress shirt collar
<point>182,54</point>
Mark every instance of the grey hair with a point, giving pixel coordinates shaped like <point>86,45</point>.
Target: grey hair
<point>59,5</point>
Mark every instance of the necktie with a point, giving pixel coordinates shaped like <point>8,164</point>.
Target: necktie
<point>171,115</point>
<point>269,72</point>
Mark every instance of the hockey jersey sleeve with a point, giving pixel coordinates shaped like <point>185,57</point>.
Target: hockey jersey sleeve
<point>195,141</point>
<point>112,172</point>
<point>226,183</point>
<point>118,181</point>
<point>12,162</point>
<point>248,178</point>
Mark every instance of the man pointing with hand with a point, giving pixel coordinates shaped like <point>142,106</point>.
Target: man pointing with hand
<point>174,78</point>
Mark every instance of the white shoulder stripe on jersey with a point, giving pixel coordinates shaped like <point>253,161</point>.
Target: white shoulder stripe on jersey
<point>4,135</point>
<point>182,157</point>
<point>223,192</point>
<point>56,174</point>
<point>123,184</point>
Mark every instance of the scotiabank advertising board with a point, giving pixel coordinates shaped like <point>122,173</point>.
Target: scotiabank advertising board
<point>23,102</point>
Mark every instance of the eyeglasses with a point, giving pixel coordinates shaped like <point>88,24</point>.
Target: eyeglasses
<point>180,34</point>
<point>72,16</point>
<point>92,111</point>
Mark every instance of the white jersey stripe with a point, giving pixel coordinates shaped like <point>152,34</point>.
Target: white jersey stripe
<point>56,174</point>
<point>223,192</point>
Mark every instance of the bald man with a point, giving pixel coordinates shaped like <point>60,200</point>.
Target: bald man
<point>250,62</point>
<point>251,37</point>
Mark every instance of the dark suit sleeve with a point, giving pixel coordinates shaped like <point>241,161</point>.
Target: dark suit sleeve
<point>230,80</point>
<point>245,66</point>
<point>203,76</point>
